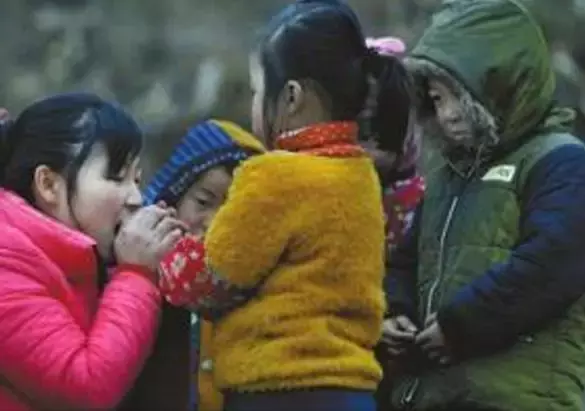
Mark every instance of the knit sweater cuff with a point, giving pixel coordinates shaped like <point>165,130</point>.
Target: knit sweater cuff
<point>186,280</point>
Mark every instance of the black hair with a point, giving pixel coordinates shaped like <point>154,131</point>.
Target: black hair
<point>320,42</point>
<point>60,132</point>
<point>231,165</point>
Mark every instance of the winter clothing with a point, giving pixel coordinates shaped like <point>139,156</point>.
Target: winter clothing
<point>63,345</point>
<point>300,243</point>
<point>165,382</point>
<point>497,248</point>
<point>205,146</point>
<point>400,201</point>
<point>178,374</point>
<point>406,187</point>
<point>209,398</point>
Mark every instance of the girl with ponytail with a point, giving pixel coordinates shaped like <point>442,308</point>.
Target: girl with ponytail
<point>290,269</point>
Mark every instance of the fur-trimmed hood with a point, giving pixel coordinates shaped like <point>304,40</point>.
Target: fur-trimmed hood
<point>494,56</point>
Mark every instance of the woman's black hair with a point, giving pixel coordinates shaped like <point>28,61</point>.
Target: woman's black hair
<point>60,132</point>
<point>320,43</point>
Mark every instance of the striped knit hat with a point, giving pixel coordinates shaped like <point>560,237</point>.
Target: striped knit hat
<point>206,145</point>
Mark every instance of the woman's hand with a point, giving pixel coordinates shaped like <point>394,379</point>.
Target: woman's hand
<point>147,236</point>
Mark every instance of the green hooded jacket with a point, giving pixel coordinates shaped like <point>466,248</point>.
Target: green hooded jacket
<point>472,227</point>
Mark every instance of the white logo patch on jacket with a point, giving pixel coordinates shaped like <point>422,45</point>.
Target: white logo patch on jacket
<point>504,173</point>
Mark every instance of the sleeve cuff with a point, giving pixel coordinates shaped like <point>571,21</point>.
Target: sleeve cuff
<point>455,332</point>
<point>133,268</point>
<point>143,277</point>
<point>187,281</point>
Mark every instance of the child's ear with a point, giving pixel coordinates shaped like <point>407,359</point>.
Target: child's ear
<point>294,96</point>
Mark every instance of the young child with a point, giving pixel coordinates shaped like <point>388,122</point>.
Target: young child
<point>195,179</point>
<point>403,187</point>
<point>291,267</point>
<point>402,184</point>
<point>486,300</point>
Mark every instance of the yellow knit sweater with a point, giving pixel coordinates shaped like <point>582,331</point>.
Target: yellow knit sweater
<point>307,232</point>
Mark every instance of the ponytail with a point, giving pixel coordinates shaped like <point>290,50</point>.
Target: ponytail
<point>321,42</point>
<point>386,114</point>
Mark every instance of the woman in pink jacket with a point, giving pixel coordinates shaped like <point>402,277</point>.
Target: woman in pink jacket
<point>72,335</point>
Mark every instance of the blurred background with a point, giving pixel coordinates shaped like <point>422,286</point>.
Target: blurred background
<point>174,62</point>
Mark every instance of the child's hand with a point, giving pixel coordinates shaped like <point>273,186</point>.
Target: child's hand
<point>432,341</point>
<point>398,333</point>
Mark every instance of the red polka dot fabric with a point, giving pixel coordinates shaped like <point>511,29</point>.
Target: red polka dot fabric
<point>334,139</point>
<point>400,201</point>
<point>185,278</point>
<point>187,281</point>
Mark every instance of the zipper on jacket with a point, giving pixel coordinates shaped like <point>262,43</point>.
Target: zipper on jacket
<point>408,396</point>
<point>440,262</point>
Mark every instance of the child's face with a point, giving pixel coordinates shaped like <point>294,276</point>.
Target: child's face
<point>450,114</point>
<point>199,205</point>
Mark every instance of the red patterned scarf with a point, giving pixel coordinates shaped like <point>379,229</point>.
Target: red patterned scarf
<point>334,139</point>
<point>401,199</point>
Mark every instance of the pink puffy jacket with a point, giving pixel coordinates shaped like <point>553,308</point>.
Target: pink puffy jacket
<point>61,345</point>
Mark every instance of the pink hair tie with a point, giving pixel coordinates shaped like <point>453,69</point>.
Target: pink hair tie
<point>387,45</point>
<point>395,46</point>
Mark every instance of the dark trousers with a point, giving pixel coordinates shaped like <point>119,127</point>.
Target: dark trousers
<point>302,400</point>
<point>164,382</point>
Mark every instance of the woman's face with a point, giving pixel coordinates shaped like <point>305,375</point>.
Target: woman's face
<point>201,202</point>
<point>102,202</point>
